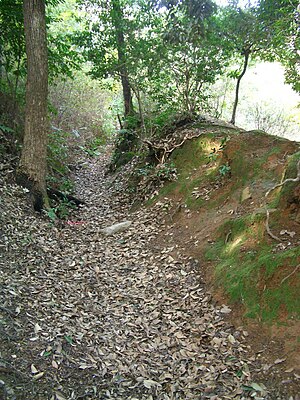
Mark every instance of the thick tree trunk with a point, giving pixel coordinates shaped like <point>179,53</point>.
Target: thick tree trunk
<point>118,21</point>
<point>33,164</point>
<point>237,88</point>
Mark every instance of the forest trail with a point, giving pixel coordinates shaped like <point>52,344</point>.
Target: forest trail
<point>85,316</point>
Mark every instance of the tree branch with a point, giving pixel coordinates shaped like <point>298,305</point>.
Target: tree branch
<point>297,179</point>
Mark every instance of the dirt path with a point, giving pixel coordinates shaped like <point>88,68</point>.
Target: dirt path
<point>85,316</point>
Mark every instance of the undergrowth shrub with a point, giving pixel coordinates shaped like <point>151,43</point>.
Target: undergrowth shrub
<point>6,139</point>
<point>11,120</point>
<point>93,146</point>
<point>60,209</point>
<point>126,146</point>
<point>83,104</point>
<point>58,157</point>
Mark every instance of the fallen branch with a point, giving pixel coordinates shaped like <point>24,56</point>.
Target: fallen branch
<point>289,275</point>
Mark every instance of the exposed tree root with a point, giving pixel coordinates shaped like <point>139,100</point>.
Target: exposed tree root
<point>268,227</point>
<point>164,149</point>
<point>289,275</point>
<point>37,190</point>
<point>297,179</point>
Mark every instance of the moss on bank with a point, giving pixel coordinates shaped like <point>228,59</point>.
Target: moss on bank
<point>253,271</point>
<point>250,267</point>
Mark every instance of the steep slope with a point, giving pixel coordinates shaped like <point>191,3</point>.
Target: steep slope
<point>217,211</point>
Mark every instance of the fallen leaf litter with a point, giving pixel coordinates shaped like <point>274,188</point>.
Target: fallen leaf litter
<point>85,315</point>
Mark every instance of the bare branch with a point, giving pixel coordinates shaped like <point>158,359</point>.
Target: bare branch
<point>167,147</point>
<point>297,179</point>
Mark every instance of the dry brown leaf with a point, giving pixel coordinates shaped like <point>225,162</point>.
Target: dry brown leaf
<point>38,376</point>
<point>33,369</point>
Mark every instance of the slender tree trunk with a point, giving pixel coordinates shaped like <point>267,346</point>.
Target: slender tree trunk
<point>237,88</point>
<point>137,93</point>
<point>16,86</point>
<point>33,164</point>
<point>118,21</point>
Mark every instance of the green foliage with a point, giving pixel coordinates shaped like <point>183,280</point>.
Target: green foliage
<point>168,56</point>
<point>215,154</point>
<point>150,173</point>
<point>243,32</point>
<point>6,129</point>
<point>167,121</point>
<point>145,170</point>
<point>62,56</point>
<point>51,214</point>
<point>8,140</point>
<point>282,18</point>
<point>93,147</point>
<point>84,107</point>
<point>58,155</point>
<point>12,42</point>
<point>63,20</point>
<point>58,151</point>
<point>126,145</point>
<point>60,209</point>
<point>224,169</point>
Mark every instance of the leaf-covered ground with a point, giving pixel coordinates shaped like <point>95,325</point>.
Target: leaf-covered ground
<point>88,316</point>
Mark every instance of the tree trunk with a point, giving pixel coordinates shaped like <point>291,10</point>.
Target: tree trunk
<point>246,54</point>
<point>137,93</point>
<point>118,22</point>
<point>33,164</point>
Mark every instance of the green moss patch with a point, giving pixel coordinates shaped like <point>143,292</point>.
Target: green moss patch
<point>252,272</point>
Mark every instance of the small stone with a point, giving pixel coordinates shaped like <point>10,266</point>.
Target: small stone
<point>116,228</point>
<point>246,194</point>
<point>225,310</point>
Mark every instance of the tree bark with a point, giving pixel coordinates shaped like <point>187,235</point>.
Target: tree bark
<point>246,54</point>
<point>137,93</point>
<point>118,22</point>
<point>33,163</point>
